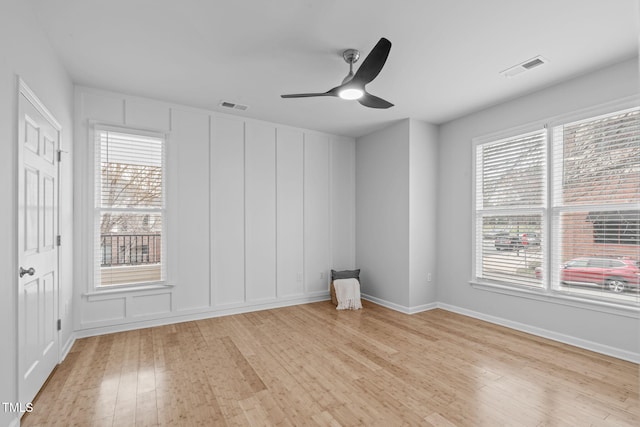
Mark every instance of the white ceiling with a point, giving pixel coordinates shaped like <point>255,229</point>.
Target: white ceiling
<point>444,63</point>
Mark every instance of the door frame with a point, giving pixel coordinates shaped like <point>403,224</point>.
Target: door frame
<point>30,96</point>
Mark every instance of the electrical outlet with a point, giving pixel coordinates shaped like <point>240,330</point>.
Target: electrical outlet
<point>322,275</point>
<point>428,277</point>
<point>299,276</point>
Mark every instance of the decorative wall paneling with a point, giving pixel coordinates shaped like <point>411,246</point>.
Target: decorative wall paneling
<point>290,209</point>
<point>188,194</point>
<point>260,212</point>
<point>227,210</point>
<point>317,208</point>
<point>257,214</point>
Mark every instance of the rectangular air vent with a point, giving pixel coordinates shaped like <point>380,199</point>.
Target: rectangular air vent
<point>233,106</point>
<point>533,63</point>
<point>524,66</point>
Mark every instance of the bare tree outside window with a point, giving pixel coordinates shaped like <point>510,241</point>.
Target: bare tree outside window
<point>600,160</point>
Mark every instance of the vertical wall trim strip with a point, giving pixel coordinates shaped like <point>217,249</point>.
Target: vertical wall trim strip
<point>304,213</point>
<point>275,187</point>
<point>209,194</point>
<point>330,249</point>
<point>244,206</point>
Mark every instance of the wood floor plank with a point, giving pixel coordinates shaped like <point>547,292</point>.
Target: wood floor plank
<point>313,365</point>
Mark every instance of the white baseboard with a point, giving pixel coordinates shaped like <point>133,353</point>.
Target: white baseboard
<point>423,307</point>
<point>67,347</point>
<point>398,307</point>
<point>89,331</point>
<point>545,333</point>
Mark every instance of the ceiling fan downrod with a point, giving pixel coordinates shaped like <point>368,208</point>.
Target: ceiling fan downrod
<point>350,56</point>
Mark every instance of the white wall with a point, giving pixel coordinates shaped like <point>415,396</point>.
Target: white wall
<point>395,214</point>
<point>382,213</point>
<point>258,213</point>
<point>423,187</point>
<point>454,238</point>
<point>25,51</point>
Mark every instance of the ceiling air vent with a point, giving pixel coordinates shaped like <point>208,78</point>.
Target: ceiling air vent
<point>233,105</point>
<point>533,63</point>
<point>524,66</point>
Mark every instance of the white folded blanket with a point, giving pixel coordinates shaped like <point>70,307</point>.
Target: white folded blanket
<point>347,294</point>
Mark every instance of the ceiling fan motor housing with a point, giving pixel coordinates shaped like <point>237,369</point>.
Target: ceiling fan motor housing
<point>351,56</point>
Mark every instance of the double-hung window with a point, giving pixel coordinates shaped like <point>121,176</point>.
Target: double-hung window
<point>557,208</point>
<point>596,206</point>
<point>510,208</point>
<point>129,216</point>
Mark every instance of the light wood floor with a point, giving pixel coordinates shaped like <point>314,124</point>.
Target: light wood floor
<point>312,365</point>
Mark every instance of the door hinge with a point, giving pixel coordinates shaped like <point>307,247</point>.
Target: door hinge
<point>58,240</point>
<point>59,324</point>
<point>59,156</point>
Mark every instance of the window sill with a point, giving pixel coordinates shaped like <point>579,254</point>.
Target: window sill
<point>114,292</point>
<point>555,297</point>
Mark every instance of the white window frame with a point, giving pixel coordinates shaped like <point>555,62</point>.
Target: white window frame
<point>551,244</point>
<point>476,242</point>
<point>94,213</point>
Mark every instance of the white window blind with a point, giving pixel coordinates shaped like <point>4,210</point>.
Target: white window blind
<point>130,208</point>
<point>510,199</point>
<point>596,206</point>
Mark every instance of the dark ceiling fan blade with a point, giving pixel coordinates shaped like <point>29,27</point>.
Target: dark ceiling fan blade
<point>373,63</point>
<point>373,101</point>
<point>306,95</point>
<point>330,92</point>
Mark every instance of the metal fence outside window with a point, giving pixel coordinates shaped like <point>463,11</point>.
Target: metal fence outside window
<point>130,249</point>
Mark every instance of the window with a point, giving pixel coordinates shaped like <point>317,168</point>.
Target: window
<point>596,200</point>
<point>581,238</point>
<point>130,207</point>
<point>510,201</point>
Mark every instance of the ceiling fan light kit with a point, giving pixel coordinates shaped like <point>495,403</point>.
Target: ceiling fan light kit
<point>350,93</point>
<point>353,85</point>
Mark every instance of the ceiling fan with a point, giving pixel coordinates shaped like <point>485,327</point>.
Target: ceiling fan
<point>353,85</point>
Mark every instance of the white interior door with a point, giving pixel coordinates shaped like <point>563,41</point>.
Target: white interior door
<point>38,143</point>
